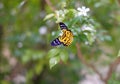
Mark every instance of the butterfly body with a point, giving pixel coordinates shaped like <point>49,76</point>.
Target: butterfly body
<point>66,38</point>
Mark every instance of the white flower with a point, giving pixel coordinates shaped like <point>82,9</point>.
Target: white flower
<point>60,15</point>
<point>82,11</point>
<point>88,28</point>
<point>43,30</point>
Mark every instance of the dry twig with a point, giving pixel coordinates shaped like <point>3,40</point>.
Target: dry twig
<point>112,67</point>
<point>50,5</point>
<point>85,62</point>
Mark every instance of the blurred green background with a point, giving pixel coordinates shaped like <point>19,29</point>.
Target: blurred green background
<point>25,37</point>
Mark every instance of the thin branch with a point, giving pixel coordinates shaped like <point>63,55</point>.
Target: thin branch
<point>42,5</point>
<point>119,1</point>
<point>50,5</point>
<point>85,62</point>
<point>112,67</point>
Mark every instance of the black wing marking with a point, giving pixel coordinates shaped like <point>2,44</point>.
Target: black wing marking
<point>62,25</point>
<point>56,42</point>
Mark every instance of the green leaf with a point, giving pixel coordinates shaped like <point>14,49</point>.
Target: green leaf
<point>64,56</point>
<point>81,38</point>
<point>48,16</point>
<point>32,55</point>
<point>90,38</point>
<point>38,55</point>
<point>53,61</point>
<point>74,21</point>
<point>53,52</point>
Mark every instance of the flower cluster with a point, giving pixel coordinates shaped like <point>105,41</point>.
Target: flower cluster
<point>88,28</point>
<point>82,11</point>
<point>60,15</point>
<point>79,18</point>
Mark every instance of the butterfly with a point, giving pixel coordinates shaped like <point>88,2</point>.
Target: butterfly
<point>66,38</point>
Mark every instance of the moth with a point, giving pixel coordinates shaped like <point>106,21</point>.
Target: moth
<point>66,38</point>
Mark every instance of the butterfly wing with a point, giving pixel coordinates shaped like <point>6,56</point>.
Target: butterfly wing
<point>67,38</point>
<point>56,42</point>
<point>63,26</point>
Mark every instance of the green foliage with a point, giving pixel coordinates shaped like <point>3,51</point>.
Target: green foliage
<point>97,32</point>
<point>57,55</point>
<point>31,55</point>
<point>49,16</point>
<point>79,22</point>
<point>113,79</point>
